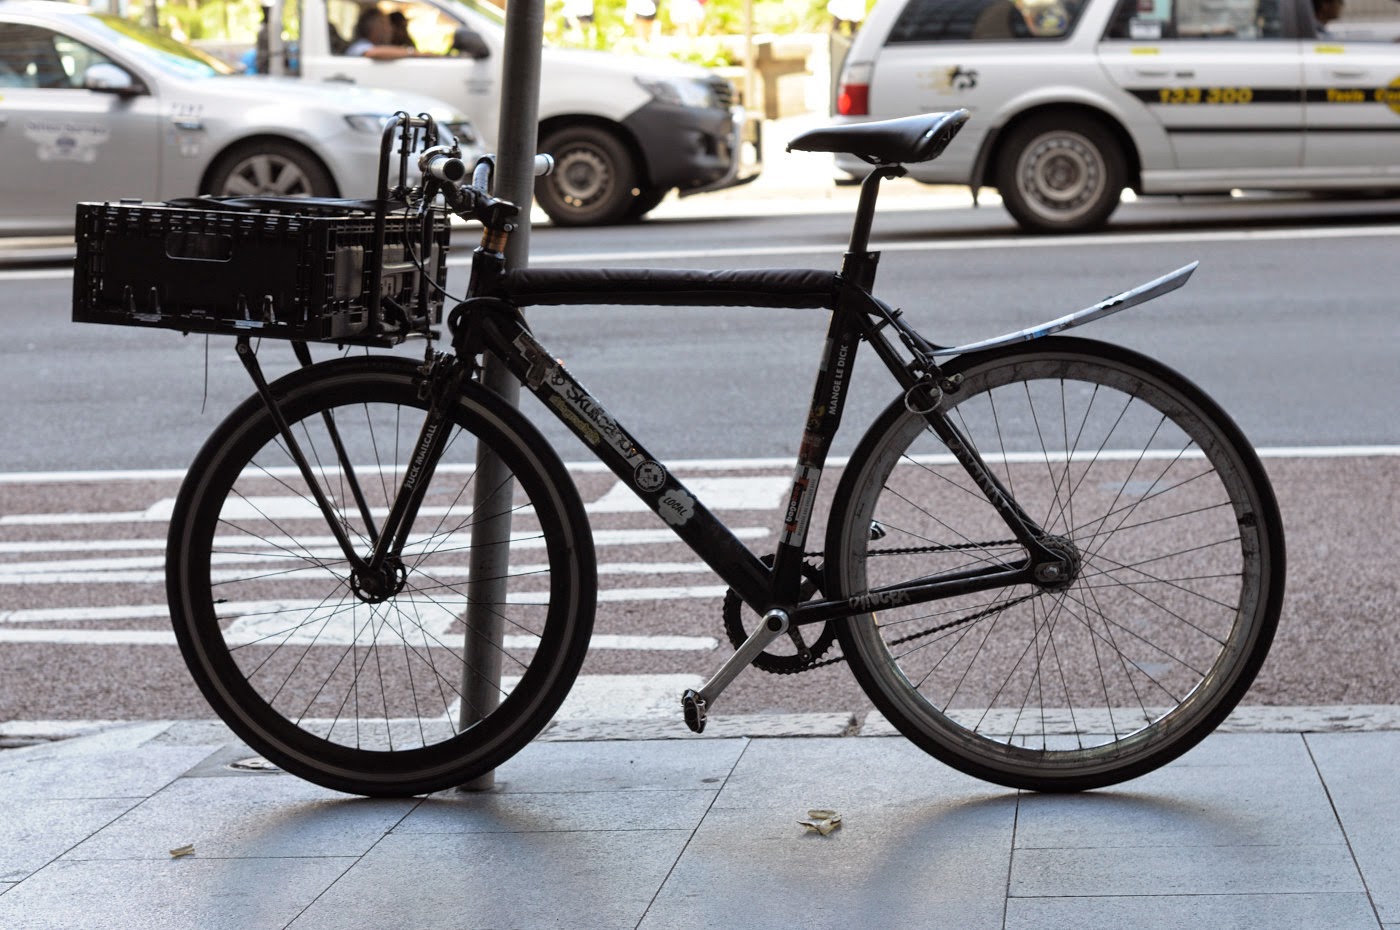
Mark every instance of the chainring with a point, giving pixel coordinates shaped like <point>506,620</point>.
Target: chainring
<point>777,663</point>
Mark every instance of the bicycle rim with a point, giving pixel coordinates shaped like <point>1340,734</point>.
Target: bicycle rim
<point>1167,516</point>
<point>357,689</point>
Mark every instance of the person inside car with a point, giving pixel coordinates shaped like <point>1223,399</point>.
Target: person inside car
<point>1324,11</point>
<point>374,37</point>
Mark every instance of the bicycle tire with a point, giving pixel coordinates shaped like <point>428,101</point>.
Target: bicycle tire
<point>1174,600</point>
<point>366,696</point>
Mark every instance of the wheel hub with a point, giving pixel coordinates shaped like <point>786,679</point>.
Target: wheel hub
<point>1056,576</point>
<point>375,587</point>
<point>1061,173</point>
<point>581,176</point>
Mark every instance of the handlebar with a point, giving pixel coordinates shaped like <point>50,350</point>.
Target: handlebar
<point>473,200</point>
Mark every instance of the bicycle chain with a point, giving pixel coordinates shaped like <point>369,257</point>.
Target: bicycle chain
<point>961,621</point>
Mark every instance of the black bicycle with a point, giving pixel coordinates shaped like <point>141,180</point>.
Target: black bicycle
<point>1051,563</point>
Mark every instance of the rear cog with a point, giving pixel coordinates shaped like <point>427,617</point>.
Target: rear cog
<point>803,656</point>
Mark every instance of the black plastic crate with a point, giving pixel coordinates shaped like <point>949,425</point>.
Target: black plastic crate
<point>306,275</point>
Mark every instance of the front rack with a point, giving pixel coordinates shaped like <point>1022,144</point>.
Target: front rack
<point>306,269</point>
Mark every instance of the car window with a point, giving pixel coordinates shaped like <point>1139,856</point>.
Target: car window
<point>1155,20</point>
<point>978,20</point>
<point>1359,20</point>
<point>31,56</point>
<point>429,29</point>
<point>159,50</point>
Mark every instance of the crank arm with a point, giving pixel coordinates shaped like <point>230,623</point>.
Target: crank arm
<point>696,704</point>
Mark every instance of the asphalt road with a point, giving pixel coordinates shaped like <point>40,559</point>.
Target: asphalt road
<point>1289,323</point>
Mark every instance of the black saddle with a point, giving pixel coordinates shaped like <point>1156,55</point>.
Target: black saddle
<point>887,142</point>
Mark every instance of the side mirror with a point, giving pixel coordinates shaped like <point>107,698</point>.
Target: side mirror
<point>107,78</point>
<point>470,43</point>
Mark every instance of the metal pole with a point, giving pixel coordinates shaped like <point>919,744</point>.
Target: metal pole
<point>518,137</point>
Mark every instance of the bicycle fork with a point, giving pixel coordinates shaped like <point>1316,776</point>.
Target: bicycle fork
<point>380,575</point>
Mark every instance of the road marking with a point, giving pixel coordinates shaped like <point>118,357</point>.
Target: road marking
<point>84,637</point>
<point>1119,238</point>
<point>747,493</point>
<point>626,696</point>
<point>600,538</point>
<point>729,493</point>
<point>678,466</point>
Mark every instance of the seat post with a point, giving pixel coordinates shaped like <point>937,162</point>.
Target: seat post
<point>865,210</point>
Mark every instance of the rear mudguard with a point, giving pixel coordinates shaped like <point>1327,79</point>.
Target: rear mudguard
<point>1130,298</point>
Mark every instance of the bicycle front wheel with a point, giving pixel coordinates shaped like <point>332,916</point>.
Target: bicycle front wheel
<point>373,685</point>
<point>1177,568</point>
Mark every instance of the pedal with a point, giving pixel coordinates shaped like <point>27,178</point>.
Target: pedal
<point>694,706</point>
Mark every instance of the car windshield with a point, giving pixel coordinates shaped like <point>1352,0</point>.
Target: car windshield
<point>162,51</point>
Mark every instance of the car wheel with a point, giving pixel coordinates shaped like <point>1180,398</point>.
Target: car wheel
<point>1060,174</point>
<point>276,168</point>
<point>646,201</point>
<point>592,181</point>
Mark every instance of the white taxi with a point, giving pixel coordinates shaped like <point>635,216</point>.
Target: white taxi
<point>1074,101</point>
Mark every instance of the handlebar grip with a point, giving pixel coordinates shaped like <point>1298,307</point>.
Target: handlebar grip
<point>544,164</point>
<point>445,168</point>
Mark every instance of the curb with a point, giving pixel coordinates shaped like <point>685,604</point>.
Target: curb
<point>1355,718</point>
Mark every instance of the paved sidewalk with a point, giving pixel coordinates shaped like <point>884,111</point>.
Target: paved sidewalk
<point>1250,830</point>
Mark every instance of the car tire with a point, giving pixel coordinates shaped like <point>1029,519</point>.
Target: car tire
<point>1060,173</point>
<point>593,178</point>
<point>269,168</point>
<point>646,201</point>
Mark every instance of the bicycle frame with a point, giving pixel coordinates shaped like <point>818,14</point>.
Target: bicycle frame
<point>490,320</point>
<point>496,325</point>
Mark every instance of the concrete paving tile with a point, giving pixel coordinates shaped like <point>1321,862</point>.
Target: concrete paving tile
<point>1300,869</point>
<point>35,832</point>
<point>1190,912</point>
<point>614,766</point>
<point>53,772</point>
<point>247,818</point>
<point>841,772</point>
<point>1359,771</point>
<point>1258,750</point>
<point>584,880</point>
<point>517,812</point>
<point>1187,805</point>
<point>175,894</point>
<point>875,871</point>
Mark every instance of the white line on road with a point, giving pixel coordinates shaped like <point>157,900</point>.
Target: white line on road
<point>918,245</point>
<point>85,637</point>
<point>600,538</point>
<point>679,466</point>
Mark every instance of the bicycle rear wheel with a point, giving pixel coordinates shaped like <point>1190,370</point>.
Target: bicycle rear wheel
<point>1165,513</point>
<point>358,689</point>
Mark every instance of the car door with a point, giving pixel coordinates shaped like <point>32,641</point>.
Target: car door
<point>61,143</point>
<point>1352,70</point>
<point>1223,78</point>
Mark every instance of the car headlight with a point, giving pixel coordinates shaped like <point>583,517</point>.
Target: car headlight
<point>681,92</point>
<point>368,122</point>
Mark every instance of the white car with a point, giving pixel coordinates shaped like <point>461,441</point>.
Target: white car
<point>624,130</point>
<point>93,107</point>
<point>1072,102</point>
